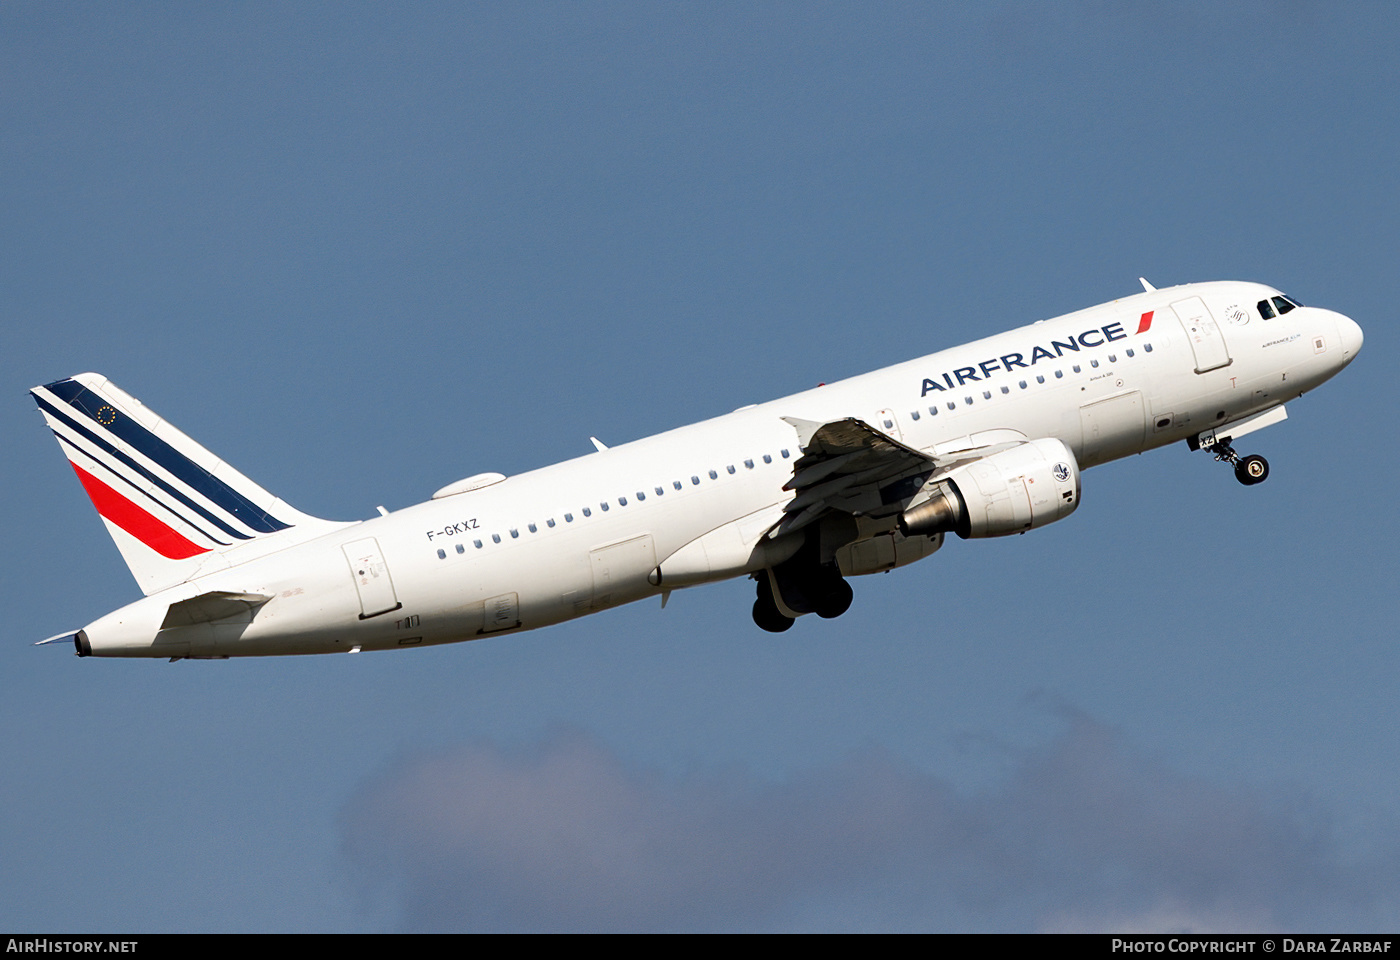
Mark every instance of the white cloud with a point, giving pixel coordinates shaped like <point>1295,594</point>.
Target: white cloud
<point>1084,835</point>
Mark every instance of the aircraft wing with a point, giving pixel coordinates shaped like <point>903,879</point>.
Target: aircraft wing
<point>849,466</point>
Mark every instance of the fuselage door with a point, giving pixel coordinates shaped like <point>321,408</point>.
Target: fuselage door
<point>1207,342</point>
<point>371,575</point>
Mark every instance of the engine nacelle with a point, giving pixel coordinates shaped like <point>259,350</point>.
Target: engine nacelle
<point>1010,492</point>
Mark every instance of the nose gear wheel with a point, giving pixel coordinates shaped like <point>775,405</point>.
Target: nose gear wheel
<point>1249,470</point>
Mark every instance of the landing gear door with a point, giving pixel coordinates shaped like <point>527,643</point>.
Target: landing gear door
<point>1207,342</point>
<point>371,575</point>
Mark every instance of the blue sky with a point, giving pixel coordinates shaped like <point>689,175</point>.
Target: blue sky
<point>361,251</point>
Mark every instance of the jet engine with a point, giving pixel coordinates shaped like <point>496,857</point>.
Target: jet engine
<point>1009,492</point>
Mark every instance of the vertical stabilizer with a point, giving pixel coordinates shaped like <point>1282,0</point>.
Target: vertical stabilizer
<point>174,509</point>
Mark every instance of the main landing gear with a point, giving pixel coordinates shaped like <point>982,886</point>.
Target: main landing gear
<point>1248,470</point>
<point>822,591</point>
<point>766,613</point>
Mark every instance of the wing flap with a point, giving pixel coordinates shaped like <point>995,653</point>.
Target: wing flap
<point>844,464</point>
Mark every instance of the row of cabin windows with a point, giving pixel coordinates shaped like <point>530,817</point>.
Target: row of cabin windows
<point>605,505</point>
<point>767,458</point>
<point>1040,378</point>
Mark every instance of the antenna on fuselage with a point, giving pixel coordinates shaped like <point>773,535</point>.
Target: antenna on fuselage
<point>1146,287</point>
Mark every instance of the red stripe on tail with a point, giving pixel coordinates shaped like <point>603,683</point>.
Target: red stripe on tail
<point>135,521</point>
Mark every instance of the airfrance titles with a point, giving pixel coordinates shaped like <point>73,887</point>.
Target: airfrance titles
<point>953,379</point>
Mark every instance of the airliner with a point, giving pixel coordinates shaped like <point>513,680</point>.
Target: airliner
<point>799,495</point>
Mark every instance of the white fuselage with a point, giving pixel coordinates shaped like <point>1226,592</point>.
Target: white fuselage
<point>565,540</point>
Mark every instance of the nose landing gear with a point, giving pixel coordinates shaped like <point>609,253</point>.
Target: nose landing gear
<point>1249,470</point>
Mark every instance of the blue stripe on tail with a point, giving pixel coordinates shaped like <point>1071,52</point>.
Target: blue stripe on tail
<point>98,410</point>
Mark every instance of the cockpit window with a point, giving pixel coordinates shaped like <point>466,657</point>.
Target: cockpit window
<point>1280,303</point>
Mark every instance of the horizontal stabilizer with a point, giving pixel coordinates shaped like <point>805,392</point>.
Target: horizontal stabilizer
<point>215,605</point>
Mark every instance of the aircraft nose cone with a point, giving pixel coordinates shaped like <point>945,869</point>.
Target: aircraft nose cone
<point>1349,333</point>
